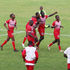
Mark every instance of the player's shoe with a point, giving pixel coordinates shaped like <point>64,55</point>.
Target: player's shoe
<point>1,48</point>
<point>61,51</point>
<point>15,50</point>
<point>23,45</point>
<point>48,48</point>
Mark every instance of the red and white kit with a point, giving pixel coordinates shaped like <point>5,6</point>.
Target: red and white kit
<point>30,55</point>
<point>34,23</point>
<point>41,28</point>
<point>30,30</point>
<point>11,24</point>
<point>56,29</point>
<point>67,52</point>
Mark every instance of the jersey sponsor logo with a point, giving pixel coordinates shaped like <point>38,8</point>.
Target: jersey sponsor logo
<point>12,23</point>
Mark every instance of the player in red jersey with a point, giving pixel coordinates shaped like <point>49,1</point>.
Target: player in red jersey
<point>56,25</point>
<point>10,30</point>
<point>35,21</point>
<point>30,33</point>
<point>30,56</point>
<point>41,28</point>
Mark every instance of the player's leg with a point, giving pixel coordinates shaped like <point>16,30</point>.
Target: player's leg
<point>68,66</point>
<point>58,40</point>
<point>31,67</point>
<point>8,38</point>
<point>52,44</point>
<point>41,38</point>
<point>24,40</point>
<point>13,43</point>
<point>41,32</point>
<point>27,66</point>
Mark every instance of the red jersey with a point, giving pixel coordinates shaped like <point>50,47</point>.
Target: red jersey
<point>57,25</point>
<point>27,26</point>
<point>34,20</point>
<point>11,24</point>
<point>56,29</point>
<point>30,29</point>
<point>30,55</point>
<point>43,21</point>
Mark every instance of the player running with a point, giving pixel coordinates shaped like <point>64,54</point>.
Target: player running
<point>57,26</point>
<point>41,28</point>
<point>30,56</point>
<point>10,30</point>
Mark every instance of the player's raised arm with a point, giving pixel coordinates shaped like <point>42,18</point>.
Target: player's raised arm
<point>52,14</point>
<point>5,26</point>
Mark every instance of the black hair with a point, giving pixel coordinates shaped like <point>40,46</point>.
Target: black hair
<point>36,13</point>
<point>30,43</point>
<point>11,15</point>
<point>31,21</point>
<point>56,16</point>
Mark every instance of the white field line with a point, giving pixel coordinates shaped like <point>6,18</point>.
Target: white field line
<point>19,32</point>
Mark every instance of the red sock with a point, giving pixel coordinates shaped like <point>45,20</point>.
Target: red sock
<point>38,44</point>
<point>4,43</point>
<point>59,47</point>
<point>24,39</point>
<point>13,43</point>
<point>50,44</point>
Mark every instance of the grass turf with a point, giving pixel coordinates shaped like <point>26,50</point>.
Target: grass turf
<point>24,9</point>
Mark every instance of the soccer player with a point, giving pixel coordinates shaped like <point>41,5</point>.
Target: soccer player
<point>57,26</point>
<point>30,33</point>
<point>35,20</point>
<point>30,56</point>
<point>41,10</point>
<point>41,28</point>
<point>10,30</point>
<point>67,55</point>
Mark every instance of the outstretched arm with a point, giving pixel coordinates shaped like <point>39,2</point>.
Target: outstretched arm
<point>52,14</point>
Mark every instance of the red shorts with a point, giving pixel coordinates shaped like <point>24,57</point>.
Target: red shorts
<point>31,39</point>
<point>68,66</point>
<point>57,34</point>
<point>29,67</point>
<point>41,31</point>
<point>10,33</point>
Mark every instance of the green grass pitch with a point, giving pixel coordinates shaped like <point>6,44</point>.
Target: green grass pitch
<point>24,9</point>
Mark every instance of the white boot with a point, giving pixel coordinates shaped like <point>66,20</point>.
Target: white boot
<point>23,45</point>
<point>48,48</point>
